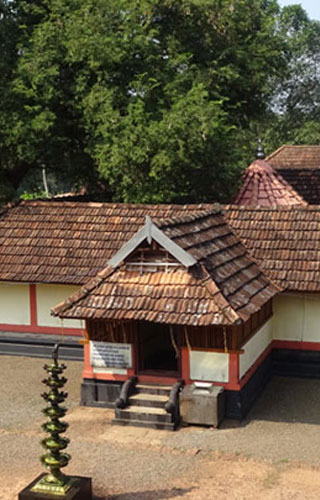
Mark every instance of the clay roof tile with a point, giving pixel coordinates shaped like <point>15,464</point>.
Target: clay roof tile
<point>263,186</point>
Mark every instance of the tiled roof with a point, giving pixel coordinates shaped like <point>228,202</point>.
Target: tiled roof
<point>262,186</point>
<point>284,241</point>
<point>69,242</point>
<point>300,167</point>
<point>223,287</point>
<point>299,157</point>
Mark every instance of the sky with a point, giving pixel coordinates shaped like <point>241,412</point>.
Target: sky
<point>311,6</point>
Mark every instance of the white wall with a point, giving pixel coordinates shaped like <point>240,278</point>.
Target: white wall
<point>255,346</point>
<point>14,304</point>
<point>110,371</point>
<point>49,296</point>
<point>311,331</point>
<point>210,366</point>
<point>297,318</point>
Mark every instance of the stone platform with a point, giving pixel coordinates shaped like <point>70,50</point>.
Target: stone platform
<point>82,490</point>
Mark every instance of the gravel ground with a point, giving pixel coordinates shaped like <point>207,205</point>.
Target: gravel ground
<point>21,387</point>
<point>273,454</point>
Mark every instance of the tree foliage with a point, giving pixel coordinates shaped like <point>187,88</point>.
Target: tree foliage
<point>295,106</point>
<point>154,98</point>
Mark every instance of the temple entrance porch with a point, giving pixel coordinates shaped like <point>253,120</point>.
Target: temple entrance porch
<point>157,352</point>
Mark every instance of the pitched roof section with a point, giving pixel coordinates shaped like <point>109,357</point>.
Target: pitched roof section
<point>284,241</point>
<point>300,167</point>
<point>69,242</point>
<point>262,186</point>
<point>295,157</point>
<point>223,287</point>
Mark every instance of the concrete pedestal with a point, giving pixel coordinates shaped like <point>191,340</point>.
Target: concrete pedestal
<point>82,490</point>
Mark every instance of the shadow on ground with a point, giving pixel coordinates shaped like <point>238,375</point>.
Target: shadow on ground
<point>285,399</point>
<point>148,495</point>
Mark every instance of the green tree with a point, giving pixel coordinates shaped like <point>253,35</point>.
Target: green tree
<point>152,96</point>
<point>17,21</point>
<point>293,117</point>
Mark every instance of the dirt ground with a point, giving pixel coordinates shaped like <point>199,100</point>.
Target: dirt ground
<point>274,454</point>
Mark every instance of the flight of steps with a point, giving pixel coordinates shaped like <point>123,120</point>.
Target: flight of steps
<point>146,408</point>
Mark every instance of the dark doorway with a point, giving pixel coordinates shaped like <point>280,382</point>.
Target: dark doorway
<point>156,352</point>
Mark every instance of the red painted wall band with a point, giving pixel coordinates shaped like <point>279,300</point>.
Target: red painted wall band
<point>296,345</point>
<point>185,364</point>
<point>233,369</point>
<point>33,327</point>
<point>33,305</point>
<point>234,383</point>
<point>255,365</point>
<point>50,330</point>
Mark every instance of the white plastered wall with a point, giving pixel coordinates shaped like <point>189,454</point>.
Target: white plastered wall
<point>49,296</point>
<point>14,304</point>
<point>209,366</point>
<point>297,318</point>
<point>255,346</point>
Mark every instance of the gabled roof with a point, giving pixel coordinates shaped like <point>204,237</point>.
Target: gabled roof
<point>69,242</point>
<point>295,157</point>
<point>223,287</point>
<point>262,186</point>
<point>284,241</point>
<point>151,232</point>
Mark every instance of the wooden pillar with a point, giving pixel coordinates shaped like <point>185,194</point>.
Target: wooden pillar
<point>233,369</point>
<point>185,364</point>
<point>87,371</point>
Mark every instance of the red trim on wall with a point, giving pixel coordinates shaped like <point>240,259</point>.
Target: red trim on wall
<point>255,365</point>
<point>33,326</point>
<point>226,385</point>
<point>132,371</point>
<point>33,305</point>
<point>296,345</point>
<point>104,376</point>
<point>87,371</point>
<point>50,330</point>
<point>278,344</point>
<point>185,364</point>
<point>234,384</point>
<point>233,369</point>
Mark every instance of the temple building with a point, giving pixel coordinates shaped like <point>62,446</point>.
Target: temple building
<point>185,300</point>
<point>227,296</point>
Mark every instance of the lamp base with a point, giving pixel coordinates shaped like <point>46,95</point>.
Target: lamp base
<point>79,488</point>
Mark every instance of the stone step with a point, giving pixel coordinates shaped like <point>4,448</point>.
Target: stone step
<point>163,390</point>
<point>151,400</point>
<point>145,413</point>
<point>169,426</point>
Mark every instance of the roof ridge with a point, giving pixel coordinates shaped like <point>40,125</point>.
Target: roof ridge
<point>110,204</point>
<point>170,221</point>
<point>275,153</point>
<point>274,208</point>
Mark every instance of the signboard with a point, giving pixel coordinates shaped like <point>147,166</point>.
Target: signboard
<point>109,355</point>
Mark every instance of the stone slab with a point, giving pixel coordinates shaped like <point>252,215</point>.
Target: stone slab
<point>81,491</point>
